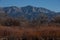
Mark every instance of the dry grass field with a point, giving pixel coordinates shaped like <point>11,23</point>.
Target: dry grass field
<point>41,33</point>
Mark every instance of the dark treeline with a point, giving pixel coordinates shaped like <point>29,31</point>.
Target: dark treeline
<point>22,21</point>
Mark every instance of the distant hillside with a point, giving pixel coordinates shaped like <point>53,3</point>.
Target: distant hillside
<point>29,14</point>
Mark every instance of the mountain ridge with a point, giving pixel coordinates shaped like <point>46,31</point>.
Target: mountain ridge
<point>29,12</point>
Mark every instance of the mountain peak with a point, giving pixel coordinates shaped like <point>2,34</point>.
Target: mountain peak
<point>29,6</point>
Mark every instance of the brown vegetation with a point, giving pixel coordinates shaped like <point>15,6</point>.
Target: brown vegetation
<point>15,33</point>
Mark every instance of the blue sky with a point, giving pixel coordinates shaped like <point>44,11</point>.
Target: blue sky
<point>53,5</point>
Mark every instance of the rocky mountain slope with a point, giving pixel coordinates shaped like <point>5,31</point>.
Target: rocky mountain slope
<point>28,12</point>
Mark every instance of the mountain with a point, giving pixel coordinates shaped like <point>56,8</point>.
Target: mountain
<point>28,12</point>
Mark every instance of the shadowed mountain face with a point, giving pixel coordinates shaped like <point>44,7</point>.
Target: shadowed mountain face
<point>28,12</point>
